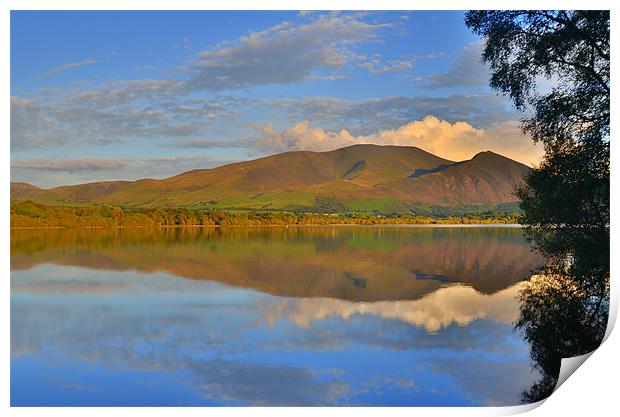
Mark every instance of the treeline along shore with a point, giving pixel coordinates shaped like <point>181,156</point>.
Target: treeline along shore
<point>27,214</point>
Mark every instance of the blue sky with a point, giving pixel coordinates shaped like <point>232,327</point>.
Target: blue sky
<point>104,95</point>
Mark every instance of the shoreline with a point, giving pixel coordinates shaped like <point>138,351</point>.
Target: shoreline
<point>286,226</point>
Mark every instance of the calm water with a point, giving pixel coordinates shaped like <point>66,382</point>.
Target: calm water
<point>268,316</point>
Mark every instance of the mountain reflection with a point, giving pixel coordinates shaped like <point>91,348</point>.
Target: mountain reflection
<point>454,305</point>
<point>356,264</point>
<point>268,316</point>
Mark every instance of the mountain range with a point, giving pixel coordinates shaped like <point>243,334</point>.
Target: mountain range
<point>358,178</point>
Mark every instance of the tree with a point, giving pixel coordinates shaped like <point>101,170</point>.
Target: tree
<point>565,199</point>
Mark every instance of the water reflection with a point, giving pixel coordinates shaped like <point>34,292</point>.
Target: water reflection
<point>456,304</point>
<point>358,264</point>
<point>110,318</point>
<point>560,317</point>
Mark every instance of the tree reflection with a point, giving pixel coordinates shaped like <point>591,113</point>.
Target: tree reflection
<point>560,316</point>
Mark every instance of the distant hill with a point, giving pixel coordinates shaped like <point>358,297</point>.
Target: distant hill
<point>19,189</point>
<point>363,178</point>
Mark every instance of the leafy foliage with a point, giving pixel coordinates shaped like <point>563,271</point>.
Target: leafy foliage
<point>569,48</point>
<point>565,200</point>
<point>329,204</point>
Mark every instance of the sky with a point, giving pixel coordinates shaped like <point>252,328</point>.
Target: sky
<point>123,95</point>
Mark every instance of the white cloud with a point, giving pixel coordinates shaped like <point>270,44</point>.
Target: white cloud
<point>64,67</point>
<point>282,54</point>
<point>53,172</point>
<point>74,165</point>
<point>467,70</point>
<point>375,66</point>
<point>32,127</point>
<point>371,114</point>
<point>113,113</point>
<point>456,141</point>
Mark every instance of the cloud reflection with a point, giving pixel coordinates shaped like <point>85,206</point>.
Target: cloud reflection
<point>456,304</point>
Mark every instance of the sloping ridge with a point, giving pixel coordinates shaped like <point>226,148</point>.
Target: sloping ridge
<point>19,189</point>
<point>487,178</point>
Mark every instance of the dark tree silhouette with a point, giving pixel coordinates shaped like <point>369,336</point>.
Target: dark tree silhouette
<point>565,199</point>
<point>559,318</point>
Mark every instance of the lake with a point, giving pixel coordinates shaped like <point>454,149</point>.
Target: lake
<point>386,316</point>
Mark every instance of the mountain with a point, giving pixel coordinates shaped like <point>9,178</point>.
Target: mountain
<point>362,177</point>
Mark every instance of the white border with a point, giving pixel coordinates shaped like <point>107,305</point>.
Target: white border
<point>592,391</point>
